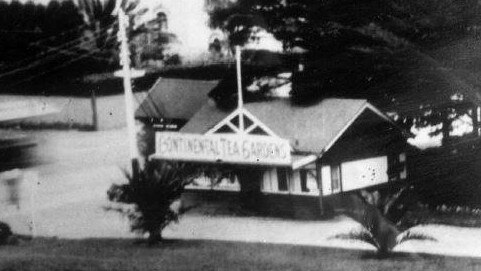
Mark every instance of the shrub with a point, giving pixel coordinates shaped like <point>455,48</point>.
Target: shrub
<point>5,233</point>
<point>155,196</point>
<point>382,216</point>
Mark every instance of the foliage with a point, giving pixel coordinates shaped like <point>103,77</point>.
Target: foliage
<point>45,43</point>
<point>51,47</point>
<point>314,24</point>
<point>27,23</point>
<point>5,233</point>
<point>383,218</point>
<point>363,50</point>
<point>99,17</point>
<point>367,236</point>
<point>449,176</point>
<point>155,195</point>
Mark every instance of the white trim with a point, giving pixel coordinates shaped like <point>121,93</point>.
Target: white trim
<point>259,123</point>
<point>222,122</point>
<point>358,113</point>
<point>387,118</point>
<point>314,193</point>
<point>304,161</point>
<point>379,113</point>
<point>252,127</point>
<point>233,127</point>
<point>348,124</point>
<point>240,112</point>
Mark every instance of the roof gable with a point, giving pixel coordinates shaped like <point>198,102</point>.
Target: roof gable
<point>241,121</point>
<point>175,98</point>
<point>310,129</point>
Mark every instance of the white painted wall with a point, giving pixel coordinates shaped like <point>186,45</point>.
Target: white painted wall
<point>363,173</point>
<point>326,180</point>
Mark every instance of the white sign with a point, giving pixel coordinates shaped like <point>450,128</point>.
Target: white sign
<point>224,148</point>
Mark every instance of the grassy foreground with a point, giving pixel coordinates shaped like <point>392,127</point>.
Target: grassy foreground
<point>113,254</point>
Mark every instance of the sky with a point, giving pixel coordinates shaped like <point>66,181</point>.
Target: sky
<point>186,18</point>
<point>189,21</point>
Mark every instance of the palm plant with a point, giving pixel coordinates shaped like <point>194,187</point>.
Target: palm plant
<point>383,219</point>
<point>155,196</point>
<point>101,22</point>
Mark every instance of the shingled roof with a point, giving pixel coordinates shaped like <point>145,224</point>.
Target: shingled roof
<point>175,98</point>
<point>309,129</point>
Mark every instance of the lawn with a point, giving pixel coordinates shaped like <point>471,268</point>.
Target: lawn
<point>116,254</point>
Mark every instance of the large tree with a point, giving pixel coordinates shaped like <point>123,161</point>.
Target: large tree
<point>363,49</point>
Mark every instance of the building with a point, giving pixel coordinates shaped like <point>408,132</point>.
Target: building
<point>336,146</point>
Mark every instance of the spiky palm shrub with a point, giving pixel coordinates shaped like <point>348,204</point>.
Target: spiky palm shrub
<point>153,195</point>
<point>383,219</point>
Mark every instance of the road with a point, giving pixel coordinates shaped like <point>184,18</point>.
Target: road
<point>73,172</point>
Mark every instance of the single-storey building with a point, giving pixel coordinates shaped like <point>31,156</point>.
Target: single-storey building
<point>336,146</point>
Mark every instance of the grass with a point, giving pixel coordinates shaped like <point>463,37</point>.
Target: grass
<point>115,254</point>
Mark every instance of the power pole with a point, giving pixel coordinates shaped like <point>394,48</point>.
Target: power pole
<point>95,119</point>
<point>125,73</point>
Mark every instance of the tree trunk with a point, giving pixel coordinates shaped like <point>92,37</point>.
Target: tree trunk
<point>93,101</point>
<point>155,237</point>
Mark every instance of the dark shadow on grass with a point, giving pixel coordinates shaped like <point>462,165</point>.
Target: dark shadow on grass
<point>373,255</point>
<point>138,243</point>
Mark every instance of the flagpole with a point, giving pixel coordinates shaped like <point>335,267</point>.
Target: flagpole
<point>128,95</point>
<point>240,101</point>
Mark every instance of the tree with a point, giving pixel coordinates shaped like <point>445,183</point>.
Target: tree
<point>154,195</point>
<point>352,49</point>
<point>152,41</point>
<point>101,23</point>
<point>312,24</point>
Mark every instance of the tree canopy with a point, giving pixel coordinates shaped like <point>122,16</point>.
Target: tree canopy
<point>365,49</point>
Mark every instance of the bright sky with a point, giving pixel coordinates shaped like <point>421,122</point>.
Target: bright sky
<point>186,18</point>
<point>189,21</point>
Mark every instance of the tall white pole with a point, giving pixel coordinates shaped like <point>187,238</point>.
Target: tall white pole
<point>129,105</point>
<point>240,100</point>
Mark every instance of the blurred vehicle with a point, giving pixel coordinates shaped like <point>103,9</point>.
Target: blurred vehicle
<point>17,148</point>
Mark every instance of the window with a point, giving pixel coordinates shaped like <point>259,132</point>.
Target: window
<point>303,175</point>
<point>282,179</point>
<point>335,178</point>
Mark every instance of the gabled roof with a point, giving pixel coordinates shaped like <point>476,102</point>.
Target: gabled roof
<point>175,98</point>
<point>310,129</point>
